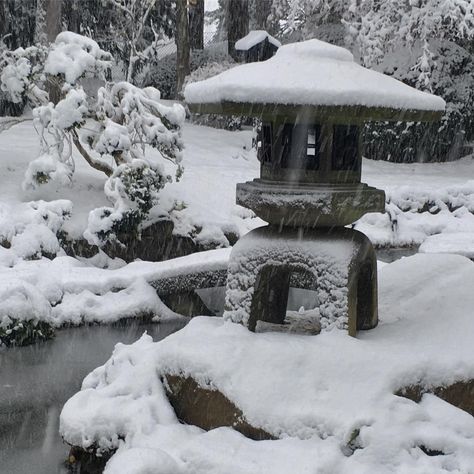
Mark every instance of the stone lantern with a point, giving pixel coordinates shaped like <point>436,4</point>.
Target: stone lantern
<point>313,100</point>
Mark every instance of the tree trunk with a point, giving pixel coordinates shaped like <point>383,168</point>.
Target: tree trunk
<point>182,44</point>
<point>237,24</point>
<point>72,15</point>
<point>48,26</point>
<point>53,19</point>
<point>196,24</point>
<point>4,27</point>
<point>263,9</point>
<point>48,20</point>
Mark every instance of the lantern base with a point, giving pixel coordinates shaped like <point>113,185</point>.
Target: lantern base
<point>339,266</point>
<point>310,205</point>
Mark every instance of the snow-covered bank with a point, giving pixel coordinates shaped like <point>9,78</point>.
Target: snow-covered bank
<point>67,291</point>
<point>422,200</point>
<point>329,398</point>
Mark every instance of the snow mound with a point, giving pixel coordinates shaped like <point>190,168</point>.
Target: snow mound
<point>29,230</point>
<point>22,301</point>
<point>413,213</point>
<point>79,293</point>
<point>254,37</point>
<point>461,243</point>
<point>143,461</point>
<point>314,73</point>
<point>329,398</point>
<point>138,299</point>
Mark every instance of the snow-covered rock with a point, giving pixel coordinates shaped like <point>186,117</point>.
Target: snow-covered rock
<point>461,243</point>
<point>329,398</point>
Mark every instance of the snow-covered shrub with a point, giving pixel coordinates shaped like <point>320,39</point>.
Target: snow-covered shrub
<point>25,314</point>
<point>23,333</point>
<point>134,190</point>
<point>164,74</point>
<point>111,131</point>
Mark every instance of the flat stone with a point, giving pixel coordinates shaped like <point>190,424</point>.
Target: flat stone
<point>460,394</point>
<point>207,408</point>
<point>307,205</point>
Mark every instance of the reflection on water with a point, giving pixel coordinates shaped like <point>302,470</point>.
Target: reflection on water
<point>389,255</point>
<point>36,381</point>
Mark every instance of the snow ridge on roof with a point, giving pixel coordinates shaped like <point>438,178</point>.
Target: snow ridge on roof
<point>310,73</point>
<point>254,37</point>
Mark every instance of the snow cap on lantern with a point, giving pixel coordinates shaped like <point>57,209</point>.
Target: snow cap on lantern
<point>320,78</point>
<point>312,98</point>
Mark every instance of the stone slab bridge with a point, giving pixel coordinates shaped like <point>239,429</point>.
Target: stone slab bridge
<point>176,280</point>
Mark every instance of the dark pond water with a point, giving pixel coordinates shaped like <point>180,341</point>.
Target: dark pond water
<point>389,255</point>
<point>36,381</point>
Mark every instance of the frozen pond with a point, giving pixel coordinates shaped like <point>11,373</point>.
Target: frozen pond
<point>35,382</point>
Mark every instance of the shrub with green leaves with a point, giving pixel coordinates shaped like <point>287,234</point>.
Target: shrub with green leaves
<point>23,333</point>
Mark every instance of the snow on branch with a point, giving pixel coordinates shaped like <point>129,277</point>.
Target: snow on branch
<point>76,56</point>
<point>112,132</point>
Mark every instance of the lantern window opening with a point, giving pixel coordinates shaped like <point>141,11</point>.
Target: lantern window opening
<point>301,146</point>
<point>345,148</point>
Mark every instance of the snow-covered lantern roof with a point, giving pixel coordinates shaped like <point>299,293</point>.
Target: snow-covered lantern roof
<point>257,45</point>
<point>312,98</point>
<point>314,80</point>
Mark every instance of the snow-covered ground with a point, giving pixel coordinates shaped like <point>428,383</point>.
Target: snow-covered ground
<point>202,203</point>
<point>328,398</point>
<point>423,200</point>
<point>214,161</point>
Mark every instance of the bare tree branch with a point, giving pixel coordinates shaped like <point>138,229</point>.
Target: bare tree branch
<point>98,165</point>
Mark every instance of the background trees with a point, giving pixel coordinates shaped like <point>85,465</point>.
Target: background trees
<point>426,43</point>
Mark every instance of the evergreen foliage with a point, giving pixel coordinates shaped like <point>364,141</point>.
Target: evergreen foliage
<point>429,44</point>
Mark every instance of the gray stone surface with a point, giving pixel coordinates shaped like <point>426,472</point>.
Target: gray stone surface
<point>309,205</point>
<point>207,408</point>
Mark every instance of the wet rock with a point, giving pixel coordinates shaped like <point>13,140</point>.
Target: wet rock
<point>155,244</point>
<point>207,408</point>
<point>187,303</point>
<point>460,394</point>
<point>85,462</point>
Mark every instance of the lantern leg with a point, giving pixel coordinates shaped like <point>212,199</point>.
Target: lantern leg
<point>270,297</point>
